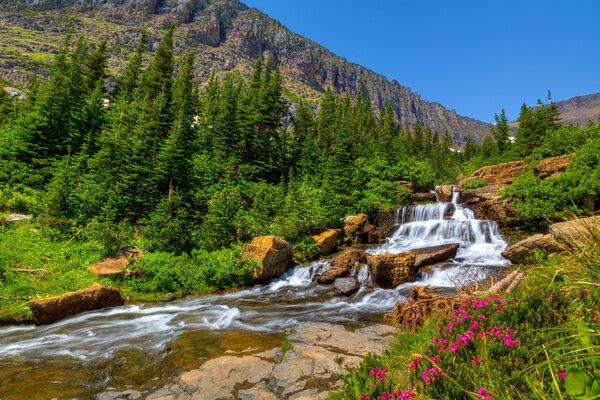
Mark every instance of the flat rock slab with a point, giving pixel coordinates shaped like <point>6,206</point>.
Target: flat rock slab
<point>310,369</point>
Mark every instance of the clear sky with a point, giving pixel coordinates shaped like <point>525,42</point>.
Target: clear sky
<point>474,56</point>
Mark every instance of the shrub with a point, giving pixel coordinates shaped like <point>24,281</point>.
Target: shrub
<point>473,183</point>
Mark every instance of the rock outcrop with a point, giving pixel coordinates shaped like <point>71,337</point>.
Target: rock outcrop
<point>577,233</point>
<point>486,202</point>
<point>500,174</point>
<point>553,166</point>
<point>523,251</point>
<point>116,263</point>
<point>434,254</point>
<point>391,270</point>
<point>341,265</point>
<point>51,309</point>
<point>326,241</point>
<point>422,197</point>
<point>316,358</point>
<point>444,193</point>
<point>272,254</point>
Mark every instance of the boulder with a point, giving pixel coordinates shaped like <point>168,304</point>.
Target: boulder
<point>377,236</point>
<point>577,233</point>
<point>341,265</point>
<point>391,270</point>
<point>51,309</point>
<point>434,254</point>
<point>16,217</point>
<point>326,241</point>
<point>346,286</point>
<point>116,263</point>
<point>444,193</point>
<point>353,226</point>
<point>422,197</point>
<point>521,252</point>
<point>273,255</point>
<point>499,174</point>
<point>553,166</point>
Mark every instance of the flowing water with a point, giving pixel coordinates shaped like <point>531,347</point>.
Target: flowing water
<point>140,346</point>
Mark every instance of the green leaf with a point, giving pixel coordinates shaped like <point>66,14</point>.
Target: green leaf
<point>575,382</point>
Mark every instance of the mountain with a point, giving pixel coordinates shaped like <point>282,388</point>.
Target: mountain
<point>226,35</point>
<point>580,110</point>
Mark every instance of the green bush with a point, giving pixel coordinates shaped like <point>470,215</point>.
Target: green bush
<point>473,183</point>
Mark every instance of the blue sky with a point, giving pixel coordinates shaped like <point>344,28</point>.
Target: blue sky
<point>474,56</point>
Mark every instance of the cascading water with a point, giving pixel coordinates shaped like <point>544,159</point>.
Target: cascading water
<point>100,338</point>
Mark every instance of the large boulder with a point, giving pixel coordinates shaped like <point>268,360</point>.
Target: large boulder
<point>116,263</point>
<point>354,225</point>
<point>577,233</point>
<point>341,265</point>
<point>500,174</point>
<point>434,254</point>
<point>346,286</point>
<point>51,309</point>
<point>521,252</point>
<point>391,270</point>
<point>272,254</point>
<point>326,241</point>
<point>553,166</point>
<point>444,193</point>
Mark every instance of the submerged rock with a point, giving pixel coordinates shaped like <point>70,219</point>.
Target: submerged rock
<point>346,286</point>
<point>326,241</point>
<point>521,252</point>
<point>341,265</point>
<point>391,270</point>
<point>434,254</point>
<point>273,255</point>
<point>51,309</point>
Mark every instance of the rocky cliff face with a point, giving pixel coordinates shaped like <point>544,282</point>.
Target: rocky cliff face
<point>226,35</point>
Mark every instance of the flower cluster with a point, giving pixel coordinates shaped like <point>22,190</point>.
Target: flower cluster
<point>379,374</point>
<point>484,394</point>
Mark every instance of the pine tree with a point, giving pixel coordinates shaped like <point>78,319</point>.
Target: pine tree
<point>501,132</point>
<point>130,79</point>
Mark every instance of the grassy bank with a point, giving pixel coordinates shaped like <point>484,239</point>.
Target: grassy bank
<point>539,342</point>
<point>34,263</point>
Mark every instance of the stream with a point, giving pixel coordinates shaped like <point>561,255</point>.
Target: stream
<point>142,346</point>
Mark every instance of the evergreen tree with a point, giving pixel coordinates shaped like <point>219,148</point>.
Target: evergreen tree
<point>501,132</point>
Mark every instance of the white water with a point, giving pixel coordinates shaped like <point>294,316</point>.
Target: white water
<point>273,307</point>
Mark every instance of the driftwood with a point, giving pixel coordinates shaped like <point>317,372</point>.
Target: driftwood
<point>36,273</point>
<point>421,304</point>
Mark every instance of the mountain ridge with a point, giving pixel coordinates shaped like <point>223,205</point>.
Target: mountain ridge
<point>226,35</point>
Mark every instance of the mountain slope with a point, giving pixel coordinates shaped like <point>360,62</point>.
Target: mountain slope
<point>226,35</point>
<point>580,110</point>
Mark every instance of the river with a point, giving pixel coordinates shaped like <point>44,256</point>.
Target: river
<point>142,346</point>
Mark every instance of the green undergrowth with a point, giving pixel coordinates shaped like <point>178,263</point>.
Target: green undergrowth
<point>539,342</point>
<point>34,263</point>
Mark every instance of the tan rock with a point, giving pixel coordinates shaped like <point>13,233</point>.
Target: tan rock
<point>577,233</point>
<point>51,309</point>
<point>116,263</point>
<point>444,193</point>
<point>218,378</point>
<point>326,241</point>
<point>499,174</point>
<point>273,255</point>
<point>342,265</point>
<point>521,252</point>
<point>408,185</point>
<point>486,202</point>
<point>353,226</point>
<point>422,197</point>
<point>390,270</point>
<point>553,166</point>
<point>434,254</point>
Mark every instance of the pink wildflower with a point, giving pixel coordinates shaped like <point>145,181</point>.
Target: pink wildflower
<point>562,374</point>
